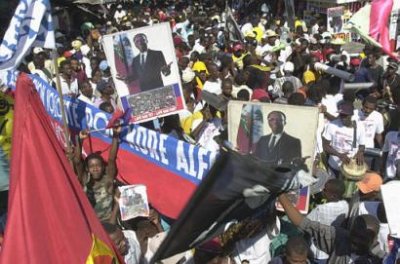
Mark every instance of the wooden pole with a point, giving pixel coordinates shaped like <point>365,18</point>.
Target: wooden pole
<point>60,95</point>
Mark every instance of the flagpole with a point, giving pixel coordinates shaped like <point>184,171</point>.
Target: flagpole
<point>60,95</point>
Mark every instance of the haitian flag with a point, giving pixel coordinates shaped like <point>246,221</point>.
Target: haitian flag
<point>50,220</point>
<point>171,169</point>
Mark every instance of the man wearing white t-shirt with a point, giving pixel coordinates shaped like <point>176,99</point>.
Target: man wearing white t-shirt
<point>213,83</point>
<point>69,84</point>
<point>372,122</point>
<point>391,154</point>
<point>340,142</point>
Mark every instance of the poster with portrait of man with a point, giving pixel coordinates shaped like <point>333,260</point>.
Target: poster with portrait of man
<point>145,71</point>
<point>279,134</point>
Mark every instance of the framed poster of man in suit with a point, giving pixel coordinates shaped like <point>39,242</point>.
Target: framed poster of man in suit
<point>143,65</point>
<point>276,133</point>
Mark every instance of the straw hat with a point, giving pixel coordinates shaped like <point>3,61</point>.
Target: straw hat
<point>352,171</point>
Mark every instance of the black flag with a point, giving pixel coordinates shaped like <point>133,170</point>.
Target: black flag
<point>237,186</point>
<point>232,27</point>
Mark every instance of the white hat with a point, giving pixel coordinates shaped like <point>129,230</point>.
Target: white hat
<point>288,67</point>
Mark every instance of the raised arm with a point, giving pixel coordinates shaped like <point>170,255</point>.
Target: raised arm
<point>78,162</point>
<point>112,157</point>
<point>323,235</point>
<point>294,215</point>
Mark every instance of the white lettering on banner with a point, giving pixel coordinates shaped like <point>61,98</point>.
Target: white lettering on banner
<point>152,145</point>
<point>89,117</point>
<point>192,171</point>
<point>203,166</point>
<point>163,150</point>
<point>146,141</point>
<point>181,162</point>
<point>69,109</point>
<point>130,137</point>
<point>141,138</point>
<point>99,116</point>
<point>178,156</point>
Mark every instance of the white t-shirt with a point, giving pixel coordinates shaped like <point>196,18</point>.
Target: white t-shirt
<point>66,88</point>
<point>89,101</point>
<point>392,146</point>
<point>213,87</point>
<point>331,101</point>
<point>373,124</point>
<point>341,138</point>
<point>199,48</point>
<point>256,249</point>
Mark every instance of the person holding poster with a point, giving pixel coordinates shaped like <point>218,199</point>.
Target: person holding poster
<point>278,147</point>
<point>148,65</point>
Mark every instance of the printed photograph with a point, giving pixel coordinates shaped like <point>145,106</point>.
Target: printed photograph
<point>143,66</point>
<point>272,132</point>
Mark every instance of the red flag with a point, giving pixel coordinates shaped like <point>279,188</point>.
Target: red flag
<point>50,220</point>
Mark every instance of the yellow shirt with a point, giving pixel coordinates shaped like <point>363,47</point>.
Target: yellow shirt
<point>259,33</point>
<point>191,122</point>
<point>239,60</point>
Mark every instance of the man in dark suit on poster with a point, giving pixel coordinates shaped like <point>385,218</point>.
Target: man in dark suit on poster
<point>148,65</point>
<point>278,147</point>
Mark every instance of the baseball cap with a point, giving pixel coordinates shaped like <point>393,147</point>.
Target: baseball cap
<point>346,109</point>
<point>372,181</point>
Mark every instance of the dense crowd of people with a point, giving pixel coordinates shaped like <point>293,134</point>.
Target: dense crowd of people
<point>358,133</point>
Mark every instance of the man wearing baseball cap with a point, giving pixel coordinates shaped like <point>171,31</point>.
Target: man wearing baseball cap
<point>367,199</point>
